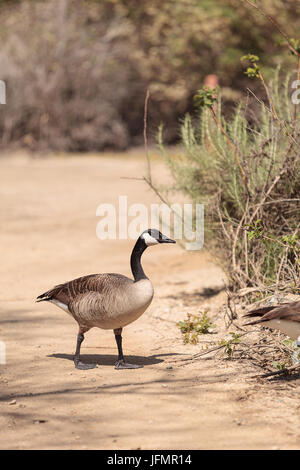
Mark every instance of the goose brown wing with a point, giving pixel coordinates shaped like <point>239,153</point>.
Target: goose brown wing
<point>259,312</point>
<point>68,291</point>
<point>289,311</point>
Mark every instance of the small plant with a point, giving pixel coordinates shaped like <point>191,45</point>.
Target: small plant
<point>288,342</point>
<point>251,58</point>
<point>294,350</point>
<point>230,344</point>
<point>296,44</point>
<point>206,97</point>
<point>253,71</point>
<point>194,326</point>
<point>290,240</point>
<point>256,231</point>
<point>296,355</point>
<point>279,365</point>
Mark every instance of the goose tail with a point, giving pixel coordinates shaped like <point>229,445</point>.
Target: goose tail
<point>258,312</point>
<point>45,296</point>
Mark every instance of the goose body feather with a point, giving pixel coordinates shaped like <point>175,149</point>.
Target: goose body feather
<point>284,317</point>
<point>107,301</point>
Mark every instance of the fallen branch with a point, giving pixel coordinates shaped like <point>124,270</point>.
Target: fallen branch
<point>286,371</point>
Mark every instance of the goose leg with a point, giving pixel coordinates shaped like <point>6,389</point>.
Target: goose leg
<point>78,364</point>
<point>121,363</point>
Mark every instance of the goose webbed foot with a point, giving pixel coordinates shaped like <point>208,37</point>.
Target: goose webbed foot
<point>122,364</point>
<point>82,366</point>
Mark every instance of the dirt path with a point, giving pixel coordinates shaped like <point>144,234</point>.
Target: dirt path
<point>48,236</point>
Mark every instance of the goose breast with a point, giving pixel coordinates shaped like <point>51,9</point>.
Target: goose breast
<point>119,304</point>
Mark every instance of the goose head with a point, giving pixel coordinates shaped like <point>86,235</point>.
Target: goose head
<point>153,236</point>
<point>149,237</point>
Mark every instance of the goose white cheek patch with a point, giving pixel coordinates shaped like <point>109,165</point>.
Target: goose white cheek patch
<point>149,240</point>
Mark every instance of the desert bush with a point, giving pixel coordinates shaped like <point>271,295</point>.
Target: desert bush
<point>77,71</point>
<point>248,176</point>
<point>67,77</point>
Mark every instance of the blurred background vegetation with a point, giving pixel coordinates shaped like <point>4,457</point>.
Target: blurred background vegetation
<point>77,71</point>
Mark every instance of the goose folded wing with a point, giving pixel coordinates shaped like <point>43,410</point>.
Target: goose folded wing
<point>68,291</point>
<point>285,312</point>
<point>288,311</point>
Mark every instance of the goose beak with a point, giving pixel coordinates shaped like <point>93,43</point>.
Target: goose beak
<point>165,239</point>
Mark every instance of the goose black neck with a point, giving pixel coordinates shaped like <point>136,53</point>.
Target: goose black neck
<point>135,260</point>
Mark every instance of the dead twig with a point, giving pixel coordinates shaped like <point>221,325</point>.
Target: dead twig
<point>145,136</point>
<point>286,371</point>
<point>276,25</point>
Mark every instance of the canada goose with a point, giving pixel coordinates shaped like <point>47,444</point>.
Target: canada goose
<point>108,301</point>
<point>284,317</point>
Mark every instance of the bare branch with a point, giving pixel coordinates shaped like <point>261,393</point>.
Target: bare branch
<point>145,136</point>
<point>276,25</point>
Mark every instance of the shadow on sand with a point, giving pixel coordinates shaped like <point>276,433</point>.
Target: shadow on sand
<point>110,359</point>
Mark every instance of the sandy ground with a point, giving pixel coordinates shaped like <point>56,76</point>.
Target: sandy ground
<point>48,222</point>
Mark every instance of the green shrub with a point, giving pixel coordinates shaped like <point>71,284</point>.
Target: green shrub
<point>246,170</point>
<point>77,71</point>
